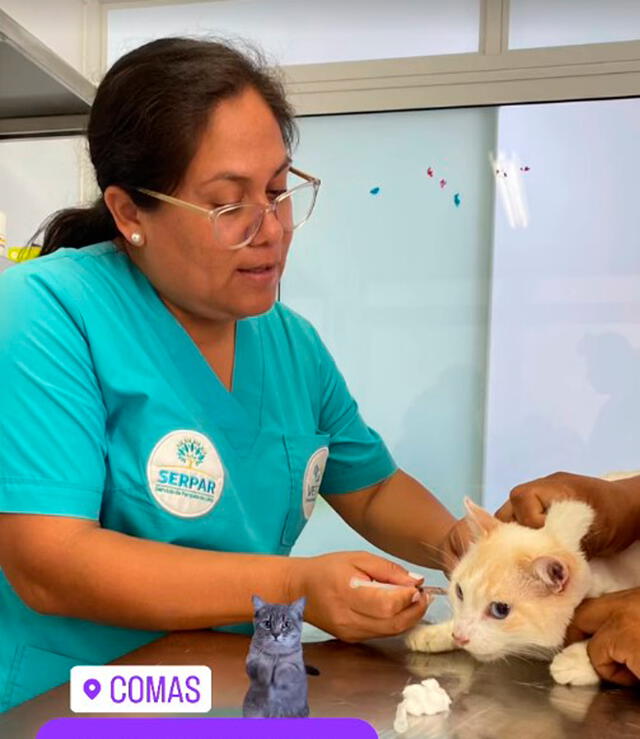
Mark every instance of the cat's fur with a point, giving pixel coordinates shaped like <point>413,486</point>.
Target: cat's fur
<point>542,575</point>
<point>274,663</point>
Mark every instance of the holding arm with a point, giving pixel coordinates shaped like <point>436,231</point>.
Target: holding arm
<point>72,567</point>
<point>616,503</point>
<point>611,622</point>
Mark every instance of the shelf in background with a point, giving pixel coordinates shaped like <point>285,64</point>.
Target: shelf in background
<point>41,95</point>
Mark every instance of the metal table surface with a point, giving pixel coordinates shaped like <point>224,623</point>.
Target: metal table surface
<point>507,699</point>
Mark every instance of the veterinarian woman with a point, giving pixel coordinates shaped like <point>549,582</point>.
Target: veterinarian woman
<point>165,424</point>
<point>612,621</point>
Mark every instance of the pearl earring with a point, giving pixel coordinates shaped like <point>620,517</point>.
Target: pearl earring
<point>136,238</point>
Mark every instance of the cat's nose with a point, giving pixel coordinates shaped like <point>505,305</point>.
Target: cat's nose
<point>459,639</point>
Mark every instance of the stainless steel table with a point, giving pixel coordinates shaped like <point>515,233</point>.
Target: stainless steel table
<point>507,700</point>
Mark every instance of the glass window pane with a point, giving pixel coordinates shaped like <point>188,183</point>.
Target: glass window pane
<point>564,371</point>
<point>395,276</point>
<point>537,23</point>
<point>295,32</point>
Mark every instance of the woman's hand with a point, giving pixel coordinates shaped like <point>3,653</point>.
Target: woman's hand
<point>354,614</point>
<point>617,523</point>
<point>613,623</point>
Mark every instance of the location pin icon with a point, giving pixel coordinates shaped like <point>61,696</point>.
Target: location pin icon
<point>92,688</point>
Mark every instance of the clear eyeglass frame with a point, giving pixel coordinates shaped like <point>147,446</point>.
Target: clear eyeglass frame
<point>311,183</point>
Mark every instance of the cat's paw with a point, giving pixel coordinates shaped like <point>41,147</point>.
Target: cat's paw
<point>431,638</point>
<point>572,666</point>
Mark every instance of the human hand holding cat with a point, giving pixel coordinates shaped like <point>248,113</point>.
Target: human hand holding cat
<point>613,623</point>
<point>616,504</point>
<point>353,614</point>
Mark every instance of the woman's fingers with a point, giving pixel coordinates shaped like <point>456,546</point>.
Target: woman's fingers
<point>384,570</point>
<point>358,595</point>
<point>385,615</point>
<point>383,603</point>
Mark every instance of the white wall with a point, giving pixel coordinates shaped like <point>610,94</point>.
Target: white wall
<point>36,178</point>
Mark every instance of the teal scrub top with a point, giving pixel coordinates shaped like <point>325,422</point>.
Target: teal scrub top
<point>109,412</point>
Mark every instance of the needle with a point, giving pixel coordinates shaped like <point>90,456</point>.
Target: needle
<point>357,582</point>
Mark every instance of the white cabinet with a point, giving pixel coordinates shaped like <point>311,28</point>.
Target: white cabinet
<point>44,48</point>
<point>67,27</point>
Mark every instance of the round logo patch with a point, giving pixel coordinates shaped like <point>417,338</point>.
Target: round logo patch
<point>312,479</point>
<point>185,474</point>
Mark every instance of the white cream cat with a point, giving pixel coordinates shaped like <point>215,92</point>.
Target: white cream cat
<point>515,590</point>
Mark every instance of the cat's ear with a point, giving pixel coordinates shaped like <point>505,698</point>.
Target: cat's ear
<point>297,607</point>
<point>258,603</point>
<point>552,572</point>
<point>480,522</point>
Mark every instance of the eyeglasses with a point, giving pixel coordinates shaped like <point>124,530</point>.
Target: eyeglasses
<point>236,225</point>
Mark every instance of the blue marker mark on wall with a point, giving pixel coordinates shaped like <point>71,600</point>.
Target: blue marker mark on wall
<point>374,190</point>
<point>457,199</point>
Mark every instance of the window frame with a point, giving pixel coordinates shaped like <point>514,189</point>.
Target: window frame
<point>494,75</point>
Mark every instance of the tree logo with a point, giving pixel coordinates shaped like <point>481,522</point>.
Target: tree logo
<point>191,452</point>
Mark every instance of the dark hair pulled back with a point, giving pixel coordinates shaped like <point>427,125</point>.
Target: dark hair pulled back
<point>147,119</point>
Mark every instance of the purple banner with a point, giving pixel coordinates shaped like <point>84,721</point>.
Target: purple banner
<point>206,728</point>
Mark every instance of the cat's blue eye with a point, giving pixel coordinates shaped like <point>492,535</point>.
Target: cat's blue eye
<point>459,591</point>
<point>499,610</point>
<point>287,624</point>
<point>267,623</point>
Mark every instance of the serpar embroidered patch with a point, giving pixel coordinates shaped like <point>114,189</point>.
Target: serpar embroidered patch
<point>185,474</point>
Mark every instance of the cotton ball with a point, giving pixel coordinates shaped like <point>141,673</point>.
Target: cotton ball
<point>424,699</point>
<point>427,698</point>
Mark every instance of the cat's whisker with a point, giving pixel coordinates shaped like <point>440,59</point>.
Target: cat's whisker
<point>537,686</point>
<point>448,558</point>
<point>532,652</point>
<point>427,544</point>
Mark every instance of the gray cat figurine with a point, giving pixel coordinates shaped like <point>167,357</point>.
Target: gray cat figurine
<point>274,664</point>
